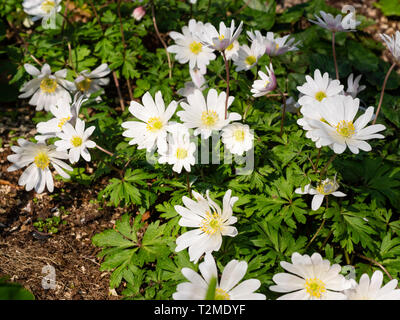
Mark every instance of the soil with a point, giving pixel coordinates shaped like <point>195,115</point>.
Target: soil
<point>24,251</point>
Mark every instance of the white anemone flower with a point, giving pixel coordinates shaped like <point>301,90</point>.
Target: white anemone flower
<point>337,130</point>
<point>319,88</point>
<point>188,47</point>
<point>324,188</point>
<point>247,57</point>
<point>180,152</point>
<point>228,288</point>
<point>273,46</point>
<point>41,8</point>
<point>336,24</point>
<point>198,82</point>
<point>46,89</point>
<point>310,278</point>
<point>220,39</point>
<point>76,140</point>
<point>206,116</point>
<point>151,130</point>
<point>237,138</point>
<point>91,82</point>
<point>210,223</point>
<point>62,115</point>
<point>353,86</point>
<point>372,289</point>
<point>37,158</point>
<point>266,84</point>
<point>393,44</point>
<point>231,51</point>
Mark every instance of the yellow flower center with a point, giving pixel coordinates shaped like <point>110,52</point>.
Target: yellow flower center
<point>221,37</point>
<point>211,223</point>
<point>48,85</point>
<point>42,160</point>
<point>84,85</point>
<point>327,187</point>
<point>209,118</point>
<point>76,141</point>
<point>230,47</point>
<point>195,47</point>
<point>320,95</point>
<point>47,6</point>
<point>154,124</point>
<point>315,287</point>
<point>221,294</point>
<point>63,121</point>
<point>276,46</point>
<point>239,135</point>
<point>181,153</point>
<point>345,128</point>
<point>250,60</point>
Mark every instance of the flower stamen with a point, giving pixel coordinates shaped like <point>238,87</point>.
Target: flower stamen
<point>209,118</point>
<point>42,160</point>
<point>154,124</point>
<point>315,287</point>
<point>345,128</point>
<point>48,85</point>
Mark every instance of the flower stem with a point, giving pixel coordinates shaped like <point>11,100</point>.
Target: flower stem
<point>327,165</point>
<point>188,184</point>
<point>317,161</point>
<point>283,110</point>
<point>104,150</point>
<point>121,100</point>
<point>161,39</point>
<point>383,91</point>
<point>377,264</point>
<point>334,55</point>
<point>227,83</point>
<point>316,234</point>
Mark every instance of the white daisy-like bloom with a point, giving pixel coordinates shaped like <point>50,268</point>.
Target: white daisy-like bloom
<point>353,86</point>
<point>319,88</point>
<point>273,46</point>
<point>188,47</point>
<point>37,158</point>
<point>372,289</point>
<point>180,152</point>
<point>91,82</point>
<point>310,278</point>
<point>220,39</point>
<point>193,1</point>
<point>46,89</point>
<point>266,84</point>
<point>41,8</point>
<point>336,24</point>
<point>210,223</point>
<point>76,140</point>
<point>228,288</point>
<point>206,116</point>
<point>151,130</point>
<point>337,130</point>
<point>325,188</point>
<point>247,57</point>
<point>393,44</point>
<point>237,138</point>
<point>62,115</point>
<point>198,82</point>
<point>231,51</point>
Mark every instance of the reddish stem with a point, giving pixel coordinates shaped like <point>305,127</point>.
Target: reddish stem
<point>383,91</point>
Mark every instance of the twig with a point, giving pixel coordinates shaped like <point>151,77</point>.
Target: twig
<point>36,60</point>
<point>334,55</point>
<point>65,18</point>
<point>161,39</point>
<point>242,8</point>
<point>383,91</point>
<point>317,161</point>
<point>121,100</point>
<point>227,83</point>
<point>70,57</point>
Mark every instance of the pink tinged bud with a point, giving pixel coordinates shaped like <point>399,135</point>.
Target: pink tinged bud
<point>138,13</point>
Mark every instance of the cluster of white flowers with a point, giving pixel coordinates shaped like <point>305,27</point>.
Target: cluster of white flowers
<point>52,92</point>
<point>312,278</point>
